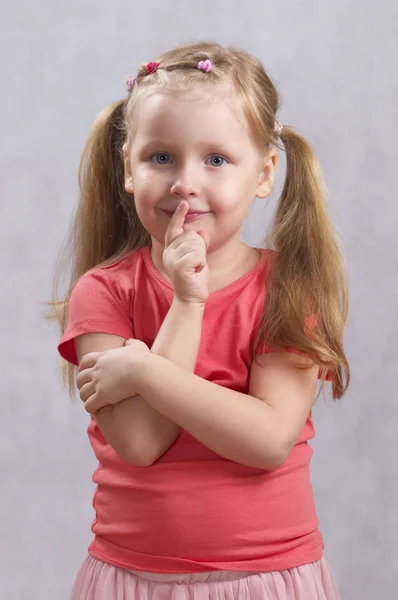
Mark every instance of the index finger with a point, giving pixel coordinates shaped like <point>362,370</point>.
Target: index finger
<point>175,227</point>
<point>89,360</point>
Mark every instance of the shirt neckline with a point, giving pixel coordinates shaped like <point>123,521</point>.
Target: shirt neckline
<point>146,251</point>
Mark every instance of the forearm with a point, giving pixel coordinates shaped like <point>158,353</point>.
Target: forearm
<point>135,429</point>
<point>237,426</point>
<point>178,338</point>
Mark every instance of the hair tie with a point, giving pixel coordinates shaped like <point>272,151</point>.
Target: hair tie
<point>278,128</point>
<point>204,65</point>
<point>152,67</point>
<point>130,81</point>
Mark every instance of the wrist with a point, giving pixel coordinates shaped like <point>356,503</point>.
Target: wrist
<point>190,308</point>
<point>145,372</point>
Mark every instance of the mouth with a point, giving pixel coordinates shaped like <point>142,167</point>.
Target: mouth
<point>191,214</point>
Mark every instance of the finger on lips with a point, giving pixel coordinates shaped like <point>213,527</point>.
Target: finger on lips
<point>175,227</point>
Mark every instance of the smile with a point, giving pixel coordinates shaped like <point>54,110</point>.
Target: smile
<point>190,216</point>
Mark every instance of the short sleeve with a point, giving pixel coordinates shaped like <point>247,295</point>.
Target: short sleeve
<point>95,306</point>
<point>310,322</point>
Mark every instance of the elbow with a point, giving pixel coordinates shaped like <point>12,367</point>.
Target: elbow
<point>140,464</point>
<point>267,462</point>
<point>129,457</point>
<point>143,459</point>
<point>276,452</point>
<point>271,464</point>
<point>275,464</point>
<point>267,457</point>
<point>274,461</point>
<point>137,459</point>
<point>131,454</point>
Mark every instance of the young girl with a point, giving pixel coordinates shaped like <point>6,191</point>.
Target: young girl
<point>199,356</point>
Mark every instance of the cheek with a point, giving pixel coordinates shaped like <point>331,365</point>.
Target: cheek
<point>141,180</point>
<point>233,196</point>
<point>234,204</point>
<point>145,212</point>
<point>146,200</point>
<point>146,191</point>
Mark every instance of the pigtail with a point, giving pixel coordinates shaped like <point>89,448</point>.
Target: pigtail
<point>106,226</point>
<point>307,291</point>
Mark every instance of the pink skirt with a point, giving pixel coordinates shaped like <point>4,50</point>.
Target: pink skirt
<point>97,580</point>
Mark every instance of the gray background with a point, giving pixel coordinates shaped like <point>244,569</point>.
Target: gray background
<point>335,65</point>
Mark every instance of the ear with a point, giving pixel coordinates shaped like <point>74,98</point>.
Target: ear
<point>128,180</point>
<point>267,174</point>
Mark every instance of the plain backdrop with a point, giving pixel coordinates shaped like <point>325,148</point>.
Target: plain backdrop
<point>336,68</point>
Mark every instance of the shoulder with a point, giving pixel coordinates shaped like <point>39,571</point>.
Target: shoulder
<point>117,270</point>
<point>105,291</point>
<point>266,259</point>
<point>257,277</point>
<point>116,277</point>
<point>100,302</point>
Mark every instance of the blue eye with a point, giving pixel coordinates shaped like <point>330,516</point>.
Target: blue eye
<point>161,158</point>
<point>216,160</point>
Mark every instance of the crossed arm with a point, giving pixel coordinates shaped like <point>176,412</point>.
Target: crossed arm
<point>258,429</point>
<point>137,432</point>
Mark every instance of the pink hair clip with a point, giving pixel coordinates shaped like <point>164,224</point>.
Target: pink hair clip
<point>204,65</point>
<point>152,67</point>
<point>130,81</point>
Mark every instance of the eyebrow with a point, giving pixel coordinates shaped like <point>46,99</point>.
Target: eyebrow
<point>160,143</point>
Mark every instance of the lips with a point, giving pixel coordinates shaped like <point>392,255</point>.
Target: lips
<point>190,216</point>
<point>190,212</point>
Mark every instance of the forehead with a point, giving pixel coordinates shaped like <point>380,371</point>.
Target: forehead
<point>211,112</point>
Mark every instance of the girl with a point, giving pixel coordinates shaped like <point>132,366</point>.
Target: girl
<point>199,356</point>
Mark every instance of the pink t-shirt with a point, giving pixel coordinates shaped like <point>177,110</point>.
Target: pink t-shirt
<point>192,510</point>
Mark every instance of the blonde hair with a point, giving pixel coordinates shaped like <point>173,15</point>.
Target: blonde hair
<point>307,275</point>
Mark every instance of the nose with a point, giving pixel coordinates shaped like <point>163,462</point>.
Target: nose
<point>185,184</point>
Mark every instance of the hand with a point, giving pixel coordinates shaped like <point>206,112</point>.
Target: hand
<point>106,378</point>
<point>184,259</point>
